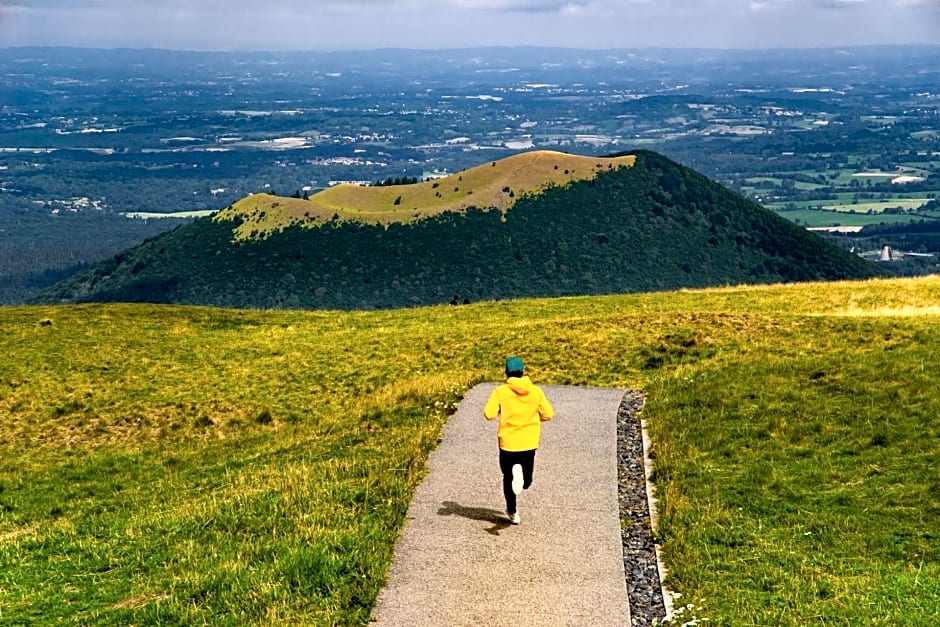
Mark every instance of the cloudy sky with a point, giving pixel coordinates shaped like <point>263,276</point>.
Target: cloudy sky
<point>366,24</point>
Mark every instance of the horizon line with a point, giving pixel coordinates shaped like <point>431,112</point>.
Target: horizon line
<point>469,48</point>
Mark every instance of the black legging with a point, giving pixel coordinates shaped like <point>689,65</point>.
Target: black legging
<point>508,459</point>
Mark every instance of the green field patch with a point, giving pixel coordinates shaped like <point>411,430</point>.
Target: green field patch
<point>844,178</point>
<point>807,187</point>
<point>928,165</point>
<point>815,218</point>
<point>906,204</point>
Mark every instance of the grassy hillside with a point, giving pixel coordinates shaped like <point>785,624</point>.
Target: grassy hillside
<point>652,226</point>
<point>494,185</point>
<point>190,465</point>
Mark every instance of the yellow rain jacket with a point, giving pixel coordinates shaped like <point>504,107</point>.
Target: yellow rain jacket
<point>522,407</point>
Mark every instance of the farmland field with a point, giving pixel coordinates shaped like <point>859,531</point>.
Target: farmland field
<point>816,218</point>
<point>906,204</point>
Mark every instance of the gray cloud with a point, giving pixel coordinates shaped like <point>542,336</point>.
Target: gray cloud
<point>847,5</point>
<point>252,6</point>
<point>345,24</point>
<point>524,6</point>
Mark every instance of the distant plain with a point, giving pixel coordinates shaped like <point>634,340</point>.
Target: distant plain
<point>91,135</point>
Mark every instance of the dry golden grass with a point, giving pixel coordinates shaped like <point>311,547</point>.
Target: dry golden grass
<point>494,185</point>
<point>141,600</point>
<point>903,312</point>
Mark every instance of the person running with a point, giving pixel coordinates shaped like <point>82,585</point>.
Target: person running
<point>522,408</point>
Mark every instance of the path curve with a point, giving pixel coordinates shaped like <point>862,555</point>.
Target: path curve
<point>458,561</point>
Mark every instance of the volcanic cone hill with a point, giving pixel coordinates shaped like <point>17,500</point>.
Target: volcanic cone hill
<point>535,224</point>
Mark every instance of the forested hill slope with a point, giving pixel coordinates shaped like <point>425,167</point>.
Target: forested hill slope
<point>653,226</point>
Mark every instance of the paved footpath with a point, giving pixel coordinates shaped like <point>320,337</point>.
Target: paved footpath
<point>460,562</point>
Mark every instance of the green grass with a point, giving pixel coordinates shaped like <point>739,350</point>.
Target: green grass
<point>924,164</point>
<point>877,206</point>
<point>817,218</point>
<point>178,465</point>
<point>846,203</point>
<point>806,497</point>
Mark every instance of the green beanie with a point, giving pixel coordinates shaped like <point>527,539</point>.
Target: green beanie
<point>514,364</point>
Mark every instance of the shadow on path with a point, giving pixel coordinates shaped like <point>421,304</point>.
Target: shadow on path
<point>451,508</point>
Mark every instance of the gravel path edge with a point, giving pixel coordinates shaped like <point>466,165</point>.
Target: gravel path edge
<point>648,598</point>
